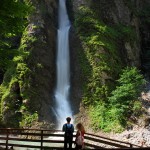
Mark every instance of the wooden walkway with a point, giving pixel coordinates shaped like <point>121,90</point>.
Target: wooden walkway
<point>53,139</point>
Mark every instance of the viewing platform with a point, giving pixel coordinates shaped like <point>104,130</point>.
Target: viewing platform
<point>39,139</point>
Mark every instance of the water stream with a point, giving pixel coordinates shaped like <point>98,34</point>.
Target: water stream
<point>62,109</point>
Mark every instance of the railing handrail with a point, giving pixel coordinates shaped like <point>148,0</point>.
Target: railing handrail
<point>30,129</point>
<point>110,139</point>
<point>41,134</point>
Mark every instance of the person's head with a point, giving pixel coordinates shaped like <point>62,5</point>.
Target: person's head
<point>80,127</point>
<point>68,119</point>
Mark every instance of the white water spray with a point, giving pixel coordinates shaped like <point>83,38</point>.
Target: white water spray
<point>63,109</point>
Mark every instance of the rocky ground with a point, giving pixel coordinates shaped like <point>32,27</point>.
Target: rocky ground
<point>138,134</point>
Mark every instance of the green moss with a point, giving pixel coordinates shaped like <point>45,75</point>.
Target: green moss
<point>13,20</point>
<point>28,119</point>
<point>121,106</point>
<point>17,84</point>
<point>101,66</point>
<point>101,53</point>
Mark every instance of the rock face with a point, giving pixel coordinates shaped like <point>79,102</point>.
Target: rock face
<point>129,14</point>
<point>45,21</point>
<point>76,90</point>
<point>145,38</point>
<point>112,13</point>
<point>137,136</point>
<point>118,12</point>
<point>33,80</point>
<point>1,76</point>
<point>31,88</point>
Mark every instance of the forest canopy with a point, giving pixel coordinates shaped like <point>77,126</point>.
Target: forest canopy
<point>13,19</point>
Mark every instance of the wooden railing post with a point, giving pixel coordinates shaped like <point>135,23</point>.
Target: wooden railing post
<point>41,139</point>
<point>131,146</point>
<point>7,136</point>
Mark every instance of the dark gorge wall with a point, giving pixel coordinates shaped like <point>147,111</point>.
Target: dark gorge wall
<point>122,13</point>
<point>27,88</point>
<point>145,37</point>
<point>119,14</point>
<point>105,36</point>
<point>44,51</point>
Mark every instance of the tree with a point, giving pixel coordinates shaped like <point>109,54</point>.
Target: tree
<point>13,19</point>
<point>125,96</point>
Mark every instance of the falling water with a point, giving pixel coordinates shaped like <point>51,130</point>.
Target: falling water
<point>63,109</point>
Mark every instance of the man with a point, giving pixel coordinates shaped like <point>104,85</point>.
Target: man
<point>68,128</point>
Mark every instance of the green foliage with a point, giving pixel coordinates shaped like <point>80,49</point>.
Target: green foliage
<point>109,106</point>
<point>125,96</point>
<point>13,19</point>
<point>16,86</point>
<point>6,56</point>
<point>12,16</point>
<point>127,33</point>
<point>10,102</point>
<point>98,116</point>
<point>105,118</point>
<point>137,106</point>
<point>123,103</point>
<point>99,43</point>
<point>28,119</point>
<point>129,82</point>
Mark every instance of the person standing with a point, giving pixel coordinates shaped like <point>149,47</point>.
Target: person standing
<point>79,136</point>
<point>68,128</point>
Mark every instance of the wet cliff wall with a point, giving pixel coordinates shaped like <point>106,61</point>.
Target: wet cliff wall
<point>105,37</point>
<point>27,88</point>
<point>109,39</point>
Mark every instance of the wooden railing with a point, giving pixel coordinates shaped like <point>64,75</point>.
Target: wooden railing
<point>53,139</point>
<point>107,142</point>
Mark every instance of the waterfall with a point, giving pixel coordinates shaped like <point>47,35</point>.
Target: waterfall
<point>62,109</point>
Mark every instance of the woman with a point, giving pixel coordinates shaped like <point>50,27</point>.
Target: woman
<point>80,133</point>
